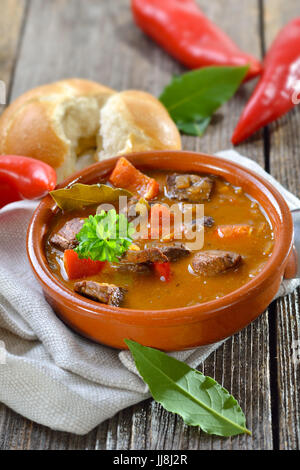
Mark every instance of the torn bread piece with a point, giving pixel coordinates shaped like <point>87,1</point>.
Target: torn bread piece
<point>68,125</point>
<point>134,121</point>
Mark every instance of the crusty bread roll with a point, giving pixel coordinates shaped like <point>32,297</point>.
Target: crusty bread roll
<point>133,121</point>
<point>72,123</point>
<point>54,123</point>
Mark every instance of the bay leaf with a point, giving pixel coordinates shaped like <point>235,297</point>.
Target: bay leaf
<point>82,195</point>
<point>193,97</point>
<point>196,127</point>
<point>198,399</point>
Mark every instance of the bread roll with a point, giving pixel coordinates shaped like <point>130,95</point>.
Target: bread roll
<point>133,121</point>
<point>54,123</point>
<point>72,123</point>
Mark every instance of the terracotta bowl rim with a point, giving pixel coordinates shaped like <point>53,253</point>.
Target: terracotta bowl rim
<point>194,313</point>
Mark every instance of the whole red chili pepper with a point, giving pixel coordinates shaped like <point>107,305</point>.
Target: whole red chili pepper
<point>274,94</point>
<point>24,178</point>
<point>187,34</point>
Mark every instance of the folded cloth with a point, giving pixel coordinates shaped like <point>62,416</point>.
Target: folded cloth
<point>47,372</point>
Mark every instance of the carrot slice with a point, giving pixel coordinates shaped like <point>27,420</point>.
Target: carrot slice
<point>233,232</point>
<point>77,268</point>
<point>161,218</point>
<point>126,176</point>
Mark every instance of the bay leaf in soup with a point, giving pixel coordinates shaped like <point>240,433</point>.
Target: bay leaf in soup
<point>83,195</point>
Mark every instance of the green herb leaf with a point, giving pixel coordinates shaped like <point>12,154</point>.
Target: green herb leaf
<point>198,399</point>
<point>104,237</point>
<point>198,127</point>
<point>193,97</point>
<point>82,195</point>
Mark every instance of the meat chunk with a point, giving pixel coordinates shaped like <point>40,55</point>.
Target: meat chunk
<point>173,251</point>
<point>65,238</point>
<point>213,262</point>
<point>139,261</point>
<point>141,268</point>
<point>208,221</point>
<point>132,202</point>
<point>152,255</point>
<point>205,221</point>
<point>105,293</point>
<point>193,188</point>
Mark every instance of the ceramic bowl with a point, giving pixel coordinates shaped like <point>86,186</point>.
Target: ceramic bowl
<point>179,328</point>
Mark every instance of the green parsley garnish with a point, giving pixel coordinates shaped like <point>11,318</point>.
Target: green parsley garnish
<point>104,237</point>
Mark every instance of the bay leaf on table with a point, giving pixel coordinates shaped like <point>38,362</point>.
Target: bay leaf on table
<point>192,98</point>
<point>198,399</point>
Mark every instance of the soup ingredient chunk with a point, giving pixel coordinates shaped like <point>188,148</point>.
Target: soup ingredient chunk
<point>77,268</point>
<point>163,270</point>
<point>135,207</point>
<point>173,251</point>
<point>65,238</point>
<point>198,224</point>
<point>152,255</point>
<point>193,188</point>
<point>233,232</point>
<point>207,221</point>
<point>102,292</point>
<point>161,218</point>
<point>104,237</point>
<point>141,268</point>
<point>194,225</point>
<point>158,256</point>
<point>126,176</point>
<point>213,262</point>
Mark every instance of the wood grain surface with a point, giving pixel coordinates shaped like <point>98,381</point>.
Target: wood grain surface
<point>284,164</point>
<point>12,18</point>
<point>98,40</point>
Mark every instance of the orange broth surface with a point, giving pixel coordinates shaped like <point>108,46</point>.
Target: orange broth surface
<point>146,291</point>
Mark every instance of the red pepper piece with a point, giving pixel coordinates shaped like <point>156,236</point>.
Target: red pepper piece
<point>180,27</point>
<point>29,178</point>
<point>77,268</point>
<point>161,218</point>
<point>273,95</point>
<point>163,270</point>
<point>7,194</point>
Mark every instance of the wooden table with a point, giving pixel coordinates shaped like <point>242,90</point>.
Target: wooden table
<point>43,41</point>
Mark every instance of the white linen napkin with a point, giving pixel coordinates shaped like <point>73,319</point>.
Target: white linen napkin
<point>50,374</point>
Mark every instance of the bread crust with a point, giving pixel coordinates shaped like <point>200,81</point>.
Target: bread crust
<point>55,122</point>
<point>151,117</point>
<point>30,125</point>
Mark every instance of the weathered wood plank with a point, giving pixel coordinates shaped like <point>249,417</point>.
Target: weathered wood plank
<point>98,40</point>
<point>11,20</point>
<point>288,339</point>
<point>285,166</point>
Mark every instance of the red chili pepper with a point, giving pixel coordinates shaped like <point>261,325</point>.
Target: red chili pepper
<point>273,95</point>
<point>181,28</point>
<point>7,194</point>
<point>27,178</point>
<point>163,270</point>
